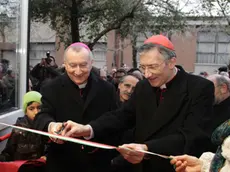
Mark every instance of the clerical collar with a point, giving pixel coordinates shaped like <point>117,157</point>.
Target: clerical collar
<point>82,85</point>
<point>167,85</point>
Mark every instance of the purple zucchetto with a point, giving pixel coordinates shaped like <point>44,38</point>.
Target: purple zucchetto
<point>80,44</point>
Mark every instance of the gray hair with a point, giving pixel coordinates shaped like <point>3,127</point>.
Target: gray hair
<point>77,49</point>
<point>166,53</point>
<point>123,77</point>
<point>220,80</point>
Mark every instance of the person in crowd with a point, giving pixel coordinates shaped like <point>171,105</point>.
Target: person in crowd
<point>221,104</point>
<point>9,81</point>
<point>224,74</point>
<point>169,110</point>
<point>203,74</point>
<point>221,107</point>
<point>136,72</point>
<point>61,69</point>
<point>23,145</point>
<point>5,66</point>
<point>117,76</point>
<point>126,87</point>
<point>222,69</point>
<point>103,74</point>
<point>81,96</point>
<point>208,162</point>
<point>44,71</point>
<point>96,71</point>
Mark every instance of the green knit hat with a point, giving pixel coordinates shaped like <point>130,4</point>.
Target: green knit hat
<point>31,96</point>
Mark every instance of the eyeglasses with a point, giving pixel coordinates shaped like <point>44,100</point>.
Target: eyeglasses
<point>152,68</point>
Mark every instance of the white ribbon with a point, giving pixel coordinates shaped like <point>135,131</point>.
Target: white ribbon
<point>79,141</point>
<point>70,139</point>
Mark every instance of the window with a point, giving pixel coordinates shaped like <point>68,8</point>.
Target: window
<point>13,44</point>
<point>39,50</point>
<point>99,55</point>
<point>213,47</point>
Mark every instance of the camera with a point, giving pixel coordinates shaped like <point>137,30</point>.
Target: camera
<point>47,54</point>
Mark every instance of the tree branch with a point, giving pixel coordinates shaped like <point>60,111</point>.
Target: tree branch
<point>115,25</point>
<point>65,3</point>
<point>223,12</point>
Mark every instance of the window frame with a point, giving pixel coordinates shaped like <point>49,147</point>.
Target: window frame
<point>216,43</point>
<point>21,56</point>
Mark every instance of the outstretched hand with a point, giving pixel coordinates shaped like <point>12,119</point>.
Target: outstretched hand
<point>130,152</point>
<point>186,163</point>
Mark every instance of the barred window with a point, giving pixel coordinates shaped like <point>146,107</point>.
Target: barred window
<point>213,47</point>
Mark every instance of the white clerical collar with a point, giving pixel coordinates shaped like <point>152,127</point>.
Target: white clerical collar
<point>164,85</point>
<point>82,85</point>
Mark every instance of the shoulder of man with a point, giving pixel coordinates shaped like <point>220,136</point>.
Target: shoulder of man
<point>143,83</point>
<point>198,81</point>
<point>54,82</point>
<point>103,83</point>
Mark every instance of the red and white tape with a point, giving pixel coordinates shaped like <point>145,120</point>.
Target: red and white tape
<point>79,141</point>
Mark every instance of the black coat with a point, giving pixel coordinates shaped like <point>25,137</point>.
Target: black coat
<point>23,145</point>
<point>43,74</point>
<point>61,101</point>
<point>119,164</point>
<point>221,113</point>
<point>176,126</point>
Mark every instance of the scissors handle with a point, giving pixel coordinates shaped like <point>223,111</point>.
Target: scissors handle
<point>174,165</point>
<point>61,129</point>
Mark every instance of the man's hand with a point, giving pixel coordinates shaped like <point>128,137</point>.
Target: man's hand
<point>55,128</point>
<point>186,163</point>
<point>131,154</point>
<point>73,129</point>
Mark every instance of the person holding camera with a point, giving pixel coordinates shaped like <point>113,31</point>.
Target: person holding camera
<point>44,71</point>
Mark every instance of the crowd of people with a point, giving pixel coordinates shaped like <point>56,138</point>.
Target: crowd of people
<point>158,107</point>
<point>7,86</point>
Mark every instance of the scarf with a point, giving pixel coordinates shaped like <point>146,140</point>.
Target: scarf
<point>218,136</point>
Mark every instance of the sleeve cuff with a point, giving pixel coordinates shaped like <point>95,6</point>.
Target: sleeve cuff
<point>49,126</point>
<point>91,133</point>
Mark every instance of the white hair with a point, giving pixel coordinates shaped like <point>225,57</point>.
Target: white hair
<point>220,80</point>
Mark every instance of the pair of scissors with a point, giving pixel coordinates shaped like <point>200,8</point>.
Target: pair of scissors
<point>61,129</point>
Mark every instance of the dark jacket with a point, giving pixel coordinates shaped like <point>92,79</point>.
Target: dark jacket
<point>221,113</point>
<point>43,74</point>
<point>177,126</point>
<point>61,101</point>
<point>118,163</point>
<point>23,145</point>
